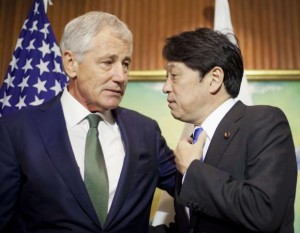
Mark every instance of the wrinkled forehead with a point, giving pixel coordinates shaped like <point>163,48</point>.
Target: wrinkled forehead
<point>108,39</point>
<point>122,34</point>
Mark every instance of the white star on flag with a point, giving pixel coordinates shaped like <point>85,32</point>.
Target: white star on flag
<point>28,65</point>
<point>34,27</point>
<point>35,73</point>
<point>21,102</point>
<point>45,49</point>
<point>40,86</point>
<point>56,87</point>
<point>5,100</point>
<point>31,46</point>
<point>36,101</point>
<point>43,66</point>
<point>9,81</point>
<point>24,83</point>
<point>45,30</point>
<point>13,63</point>
<point>19,43</point>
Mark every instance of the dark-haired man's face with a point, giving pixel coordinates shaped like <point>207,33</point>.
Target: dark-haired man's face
<point>187,95</point>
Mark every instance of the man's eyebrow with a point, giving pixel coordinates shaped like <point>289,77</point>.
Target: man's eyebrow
<point>114,57</point>
<point>168,66</point>
<point>127,59</point>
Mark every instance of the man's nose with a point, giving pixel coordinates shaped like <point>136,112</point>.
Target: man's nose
<point>120,73</point>
<point>167,86</point>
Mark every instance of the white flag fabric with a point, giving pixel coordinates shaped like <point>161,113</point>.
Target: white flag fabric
<point>222,22</point>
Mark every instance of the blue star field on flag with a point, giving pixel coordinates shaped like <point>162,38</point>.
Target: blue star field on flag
<point>35,73</point>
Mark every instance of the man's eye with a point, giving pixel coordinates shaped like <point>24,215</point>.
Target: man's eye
<point>173,76</point>
<point>107,62</point>
<point>126,66</point>
<point>170,75</point>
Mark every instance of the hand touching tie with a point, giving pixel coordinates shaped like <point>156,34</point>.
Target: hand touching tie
<point>186,153</point>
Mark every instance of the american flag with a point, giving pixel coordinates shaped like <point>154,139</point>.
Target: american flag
<point>35,72</point>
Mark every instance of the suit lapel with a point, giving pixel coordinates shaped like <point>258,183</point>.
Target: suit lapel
<point>130,139</point>
<point>224,134</point>
<point>51,124</point>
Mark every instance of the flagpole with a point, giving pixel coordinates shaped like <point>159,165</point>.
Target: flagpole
<point>46,2</point>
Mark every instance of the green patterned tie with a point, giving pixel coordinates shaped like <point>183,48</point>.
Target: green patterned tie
<point>95,174</point>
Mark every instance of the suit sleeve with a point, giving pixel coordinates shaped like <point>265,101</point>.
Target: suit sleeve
<point>167,167</point>
<point>262,196</point>
<point>9,176</point>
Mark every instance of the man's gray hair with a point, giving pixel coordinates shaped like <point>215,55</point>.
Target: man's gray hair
<point>79,32</point>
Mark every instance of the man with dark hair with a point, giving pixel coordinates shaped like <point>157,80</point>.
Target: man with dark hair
<point>240,176</point>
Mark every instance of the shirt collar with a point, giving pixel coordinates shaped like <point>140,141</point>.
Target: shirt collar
<point>75,112</point>
<point>212,121</point>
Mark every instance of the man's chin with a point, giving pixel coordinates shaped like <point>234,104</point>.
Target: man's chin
<point>113,105</point>
<point>176,115</point>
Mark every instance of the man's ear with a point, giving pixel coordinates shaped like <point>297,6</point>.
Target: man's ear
<point>217,77</point>
<point>70,63</point>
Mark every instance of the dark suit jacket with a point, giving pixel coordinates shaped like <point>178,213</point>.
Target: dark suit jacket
<point>41,189</point>
<point>247,182</point>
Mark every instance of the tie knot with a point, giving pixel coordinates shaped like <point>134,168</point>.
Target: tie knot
<point>94,120</point>
<point>196,134</point>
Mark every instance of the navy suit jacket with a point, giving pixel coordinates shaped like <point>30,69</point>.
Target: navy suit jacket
<point>41,189</point>
<point>247,182</point>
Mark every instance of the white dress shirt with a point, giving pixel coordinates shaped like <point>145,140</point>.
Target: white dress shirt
<point>209,125</point>
<point>109,136</point>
